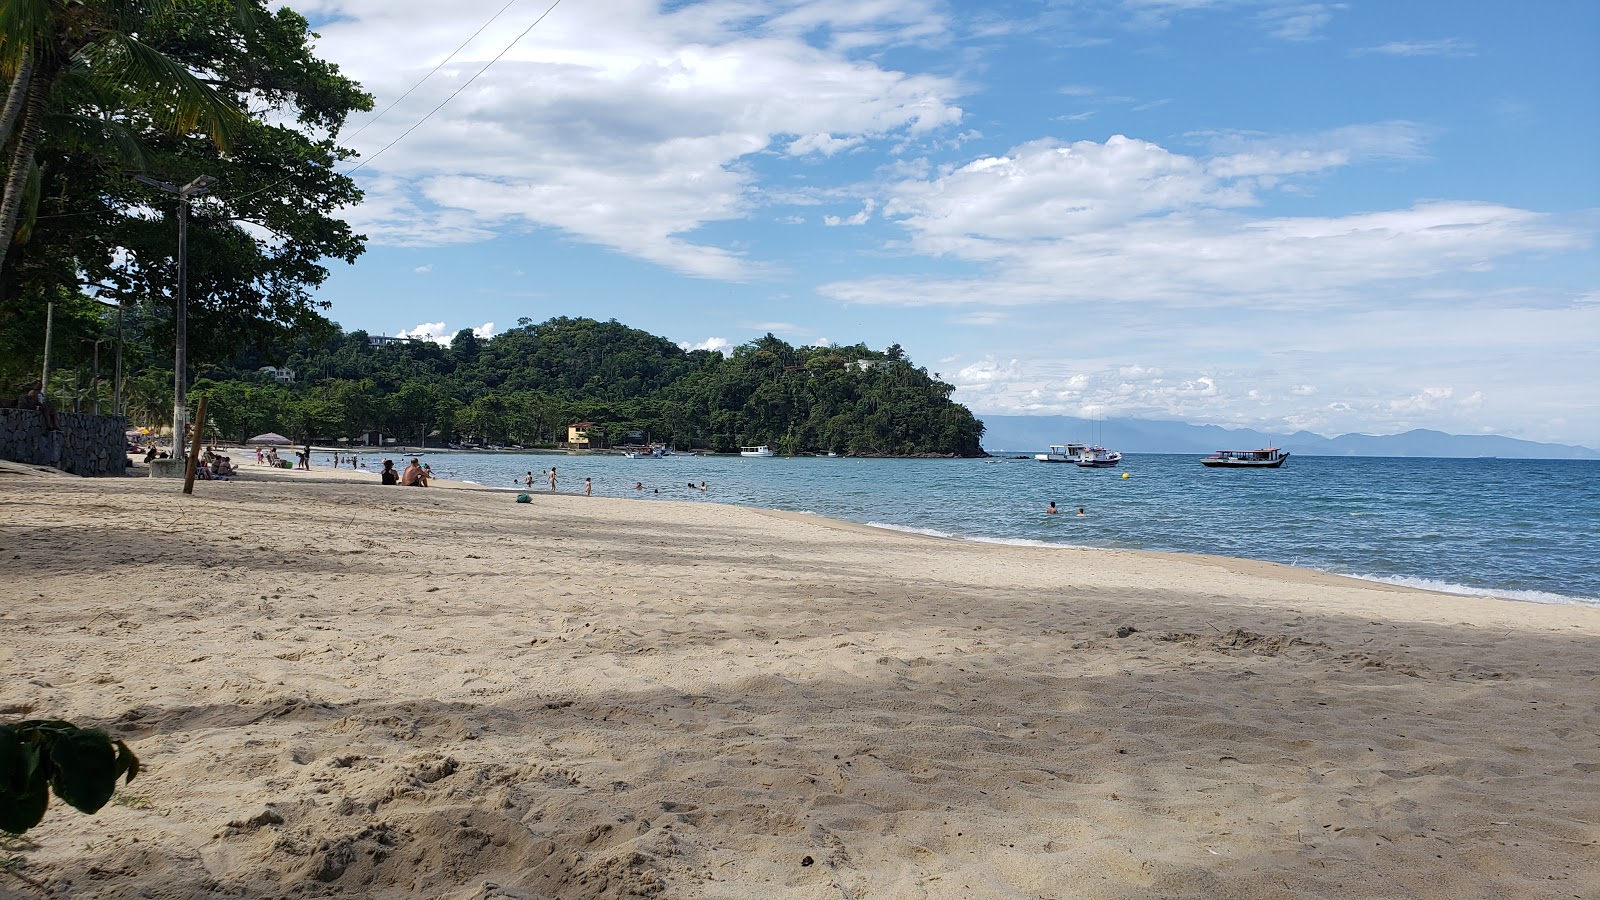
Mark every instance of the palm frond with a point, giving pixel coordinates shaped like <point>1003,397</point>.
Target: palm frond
<point>189,102</point>
<point>23,25</point>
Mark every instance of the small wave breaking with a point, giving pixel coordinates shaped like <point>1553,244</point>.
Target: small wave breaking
<point>1446,587</point>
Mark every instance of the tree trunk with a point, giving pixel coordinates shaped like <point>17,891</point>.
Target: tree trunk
<point>22,159</point>
<point>16,94</point>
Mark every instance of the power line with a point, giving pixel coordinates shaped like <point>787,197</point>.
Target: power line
<point>458,90</point>
<point>432,71</point>
<point>393,104</point>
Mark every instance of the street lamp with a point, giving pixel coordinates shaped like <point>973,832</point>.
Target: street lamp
<point>180,377</point>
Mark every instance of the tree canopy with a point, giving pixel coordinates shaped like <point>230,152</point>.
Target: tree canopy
<point>526,385</point>
<point>257,243</point>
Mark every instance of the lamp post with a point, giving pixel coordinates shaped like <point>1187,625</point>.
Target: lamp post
<point>97,342</point>
<point>180,375</point>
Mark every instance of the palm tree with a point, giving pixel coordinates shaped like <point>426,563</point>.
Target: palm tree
<point>44,42</point>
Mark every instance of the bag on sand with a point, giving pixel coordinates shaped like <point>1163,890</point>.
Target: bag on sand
<point>524,498</point>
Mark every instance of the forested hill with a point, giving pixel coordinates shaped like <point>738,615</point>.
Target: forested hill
<point>526,385</point>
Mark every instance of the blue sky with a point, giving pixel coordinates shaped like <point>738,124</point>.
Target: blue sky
<point>1357,216</point>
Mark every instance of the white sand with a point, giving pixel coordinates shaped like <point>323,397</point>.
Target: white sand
<point>341,689</point>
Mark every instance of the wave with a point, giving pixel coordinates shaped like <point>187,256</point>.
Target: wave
<point>977,539</point>
<point>1446,587</point>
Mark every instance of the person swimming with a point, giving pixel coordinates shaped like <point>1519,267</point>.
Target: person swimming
<point>1052,510</point>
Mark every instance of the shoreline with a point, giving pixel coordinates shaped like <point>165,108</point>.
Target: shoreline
<point>420,694</point>
<point>1405,582</point>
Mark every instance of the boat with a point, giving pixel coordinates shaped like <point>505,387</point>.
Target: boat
<point>657,451</point>
<point>1267,458</point>
<point>760,450</point>
<point>1062,453</point>
<point>1098,458</point>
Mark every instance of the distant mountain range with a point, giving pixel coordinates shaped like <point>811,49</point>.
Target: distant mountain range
<point>1020,434</point>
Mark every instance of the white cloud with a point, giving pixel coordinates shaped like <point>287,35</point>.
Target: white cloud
<point>1441,47</point>
<point>859,218</point>
<point>622,123</point>
<point>440,334</point>
<point>428,331</point>
<point>1128,220</point>
<point>714,344</point>
<point>423,270</point>
<point>1299,22</point>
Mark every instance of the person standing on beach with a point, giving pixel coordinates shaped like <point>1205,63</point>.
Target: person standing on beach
<point>552,479</point>
<point>588,487</point>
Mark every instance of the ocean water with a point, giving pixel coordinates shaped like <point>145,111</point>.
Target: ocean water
<point>1516,529</point>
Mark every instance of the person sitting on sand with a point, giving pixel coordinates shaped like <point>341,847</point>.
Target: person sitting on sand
<point>389,475</point>
<point>414,475</point>
<point>1052,510</point>
<point>224,468</point>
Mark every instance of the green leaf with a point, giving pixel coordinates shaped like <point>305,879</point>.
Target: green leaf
<point>24,788</point>
<point>84,768</point>
<point>126,761</point>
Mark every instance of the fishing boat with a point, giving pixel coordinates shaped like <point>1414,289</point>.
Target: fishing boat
<point>760,450</point>
<point>1098,458</point>
<point>1062,453</point>
<point>1267,458</point>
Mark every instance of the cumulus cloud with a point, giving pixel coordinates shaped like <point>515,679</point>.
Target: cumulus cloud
<point>859,218</point>
<point>626,123</point>
<point>714,344</point>
<point>423,270</point>
<point>427,331</point>
<point>1129,220</point>
<point>439,334</point>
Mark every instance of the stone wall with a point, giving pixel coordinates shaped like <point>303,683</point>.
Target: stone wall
<point>82,444</point>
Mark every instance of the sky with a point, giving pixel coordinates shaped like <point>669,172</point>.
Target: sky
<point>1362,216</point>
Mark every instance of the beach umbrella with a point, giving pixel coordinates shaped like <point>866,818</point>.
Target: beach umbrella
<point>269,438</point>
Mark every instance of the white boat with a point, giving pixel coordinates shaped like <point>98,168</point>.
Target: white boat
<point>760,450</point>
<point>1266,458</point>
<point>1098,458</point>
<point>1062,453</point>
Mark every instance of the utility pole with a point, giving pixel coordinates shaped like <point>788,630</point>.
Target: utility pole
<point>180,374</point>
<point>117,403</point>
<point>49,325</point>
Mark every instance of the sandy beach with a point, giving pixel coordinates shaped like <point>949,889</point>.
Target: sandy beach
<point>340,689</point>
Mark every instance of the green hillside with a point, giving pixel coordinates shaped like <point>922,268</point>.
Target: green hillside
<point>526,385</point>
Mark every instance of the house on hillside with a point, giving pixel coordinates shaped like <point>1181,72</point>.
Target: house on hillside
<point>280,375</point>
<point>578,436</point>
<point>383,340</point>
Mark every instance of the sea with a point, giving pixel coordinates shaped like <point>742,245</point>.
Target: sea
<point>1524,530</point>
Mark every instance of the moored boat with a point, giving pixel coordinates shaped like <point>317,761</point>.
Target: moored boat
<point>1062,453</point>
<point>760,450</point>
<point>1266,458</point>
<point>1098,458</point>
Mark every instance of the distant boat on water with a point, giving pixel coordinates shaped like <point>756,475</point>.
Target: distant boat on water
<point>761,450</point>
<point>1062,453</point>
<point>1267,458</point>
<point>1098,458</point>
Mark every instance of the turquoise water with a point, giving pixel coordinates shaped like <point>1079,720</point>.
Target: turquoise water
<point>1520,529</point>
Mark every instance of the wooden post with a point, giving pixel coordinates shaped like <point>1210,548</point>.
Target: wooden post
<point>194,449</point>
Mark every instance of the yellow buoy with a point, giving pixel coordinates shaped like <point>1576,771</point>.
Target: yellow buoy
<point>1124,474</point>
